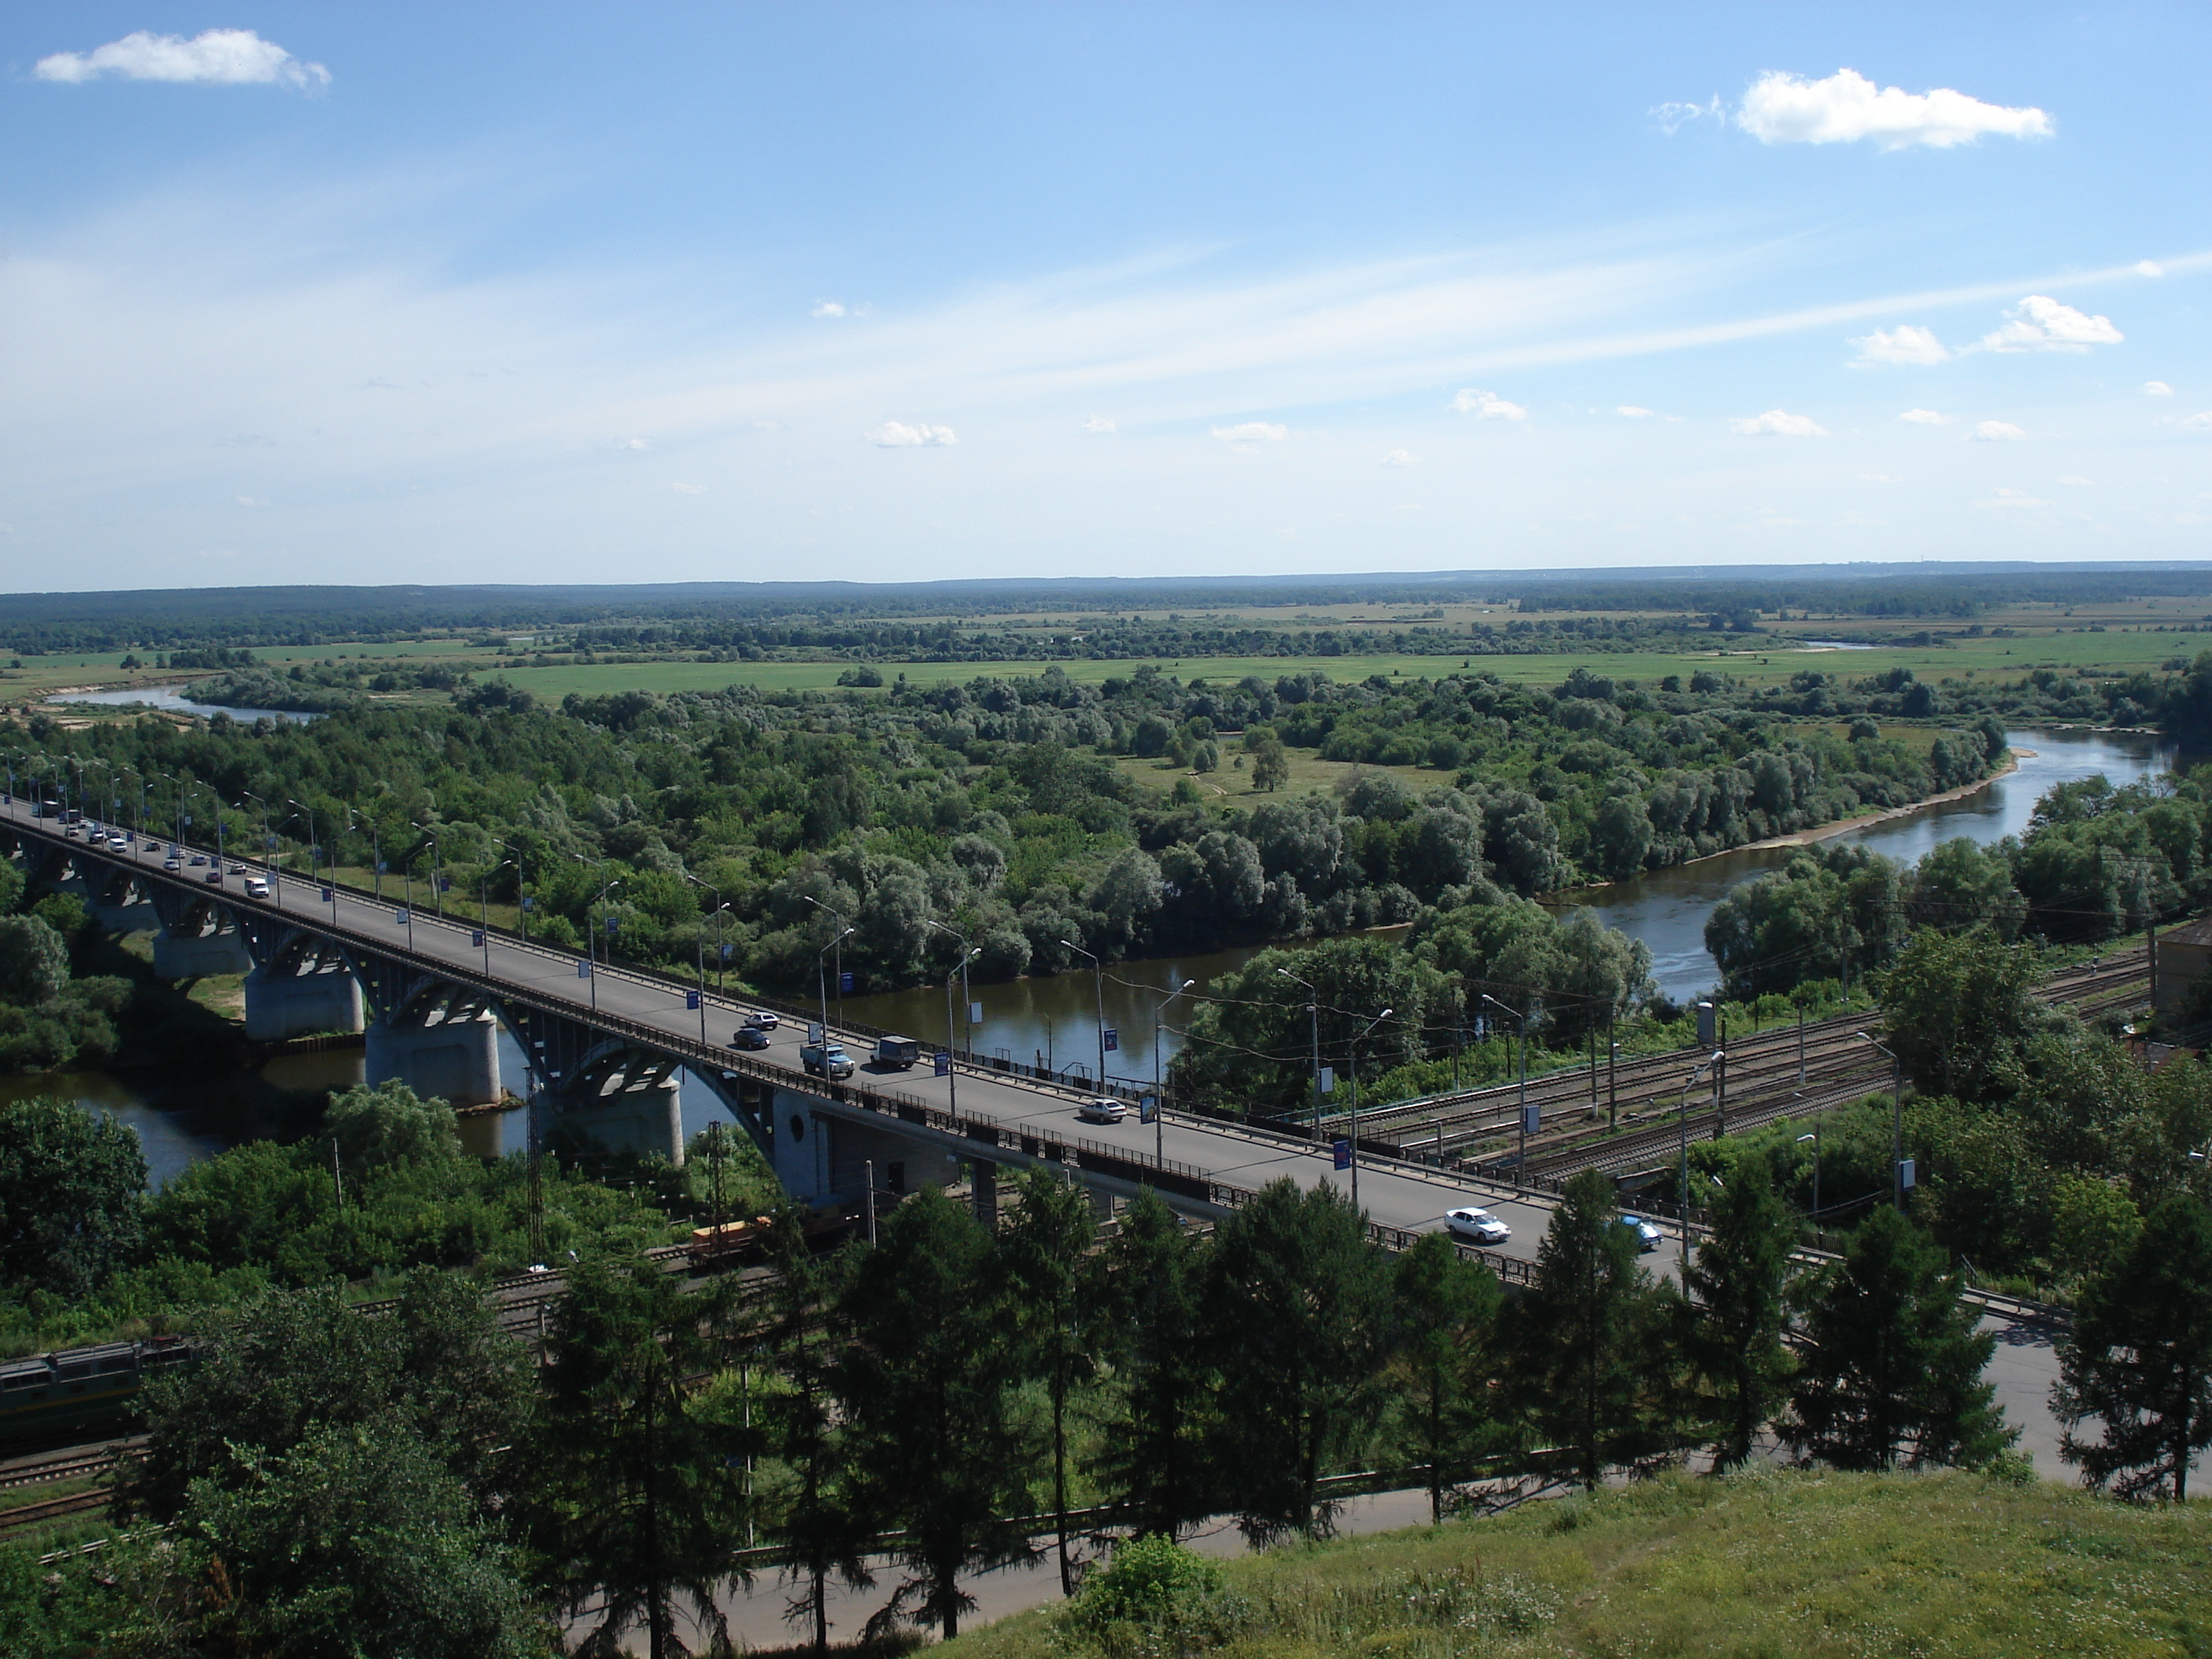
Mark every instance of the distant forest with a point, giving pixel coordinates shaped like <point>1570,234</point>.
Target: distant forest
<point>865,618</point>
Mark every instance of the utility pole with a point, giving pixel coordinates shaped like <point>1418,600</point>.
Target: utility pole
<point>1896,1123</point>
<point>1313,1028</point>
<point>1684,1122</point>
<point>1159,1096</point>
<point>1354,1143</point>
<point>1520,1161</point>
<point>1098,990</point>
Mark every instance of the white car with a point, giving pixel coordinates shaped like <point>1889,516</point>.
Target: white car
<point>256,887</point>
<point>1477,1226</point>
<point>1099,1109</point>
<point>762,1020</point>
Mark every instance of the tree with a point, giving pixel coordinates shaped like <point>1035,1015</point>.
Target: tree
<point>1737,1311</point>
<point>825,1532</point>
<point>1893,1368</point>
<point>1958,1009</point>
<point>1045,1250</point>
<point>923,1382</point>
<point>1299,1315</point>
<point>1588,1346</point>
<point>2139,1358</point>
<point>71,1193</point>
<point>34,965</point>
<point>632,1495</point>
<point>386,1125</point>
<point>1445,1342</point>
<point>1154,1462</point>
<point>1271,762</point>
<point>357,1540</point>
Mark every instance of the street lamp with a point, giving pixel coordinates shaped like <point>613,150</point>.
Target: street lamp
<point>1896,1123</point>
<point>1354,1142</point>
<point>315,857</point>
<point>822,987</point>
<point>839,943</point>
<point>1691,1083</point>
<point>699,940</point>
<point>1159,1099</point>
<point>1521,1022</point>
<point>484,901</point>
<point>521,888</point>
<point>1098,991</point>
<point>1313,1032</point>
<point>267,847</point>
<point>375,853</point>
<point>1815,1138</point>
<point>968,954</point>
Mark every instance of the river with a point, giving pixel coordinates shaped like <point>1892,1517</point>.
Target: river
<point>1054,1018</point>
<point>173,697</point>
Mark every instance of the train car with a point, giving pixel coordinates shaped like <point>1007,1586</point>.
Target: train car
<point>80,1390</point>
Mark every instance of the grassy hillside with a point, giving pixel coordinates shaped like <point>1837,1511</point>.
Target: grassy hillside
<point>1784,1563</point>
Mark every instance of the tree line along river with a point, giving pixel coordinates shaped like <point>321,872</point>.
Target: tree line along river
<point>1054,1019</point>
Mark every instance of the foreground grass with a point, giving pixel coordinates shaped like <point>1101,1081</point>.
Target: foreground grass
<point>1771,1563</point>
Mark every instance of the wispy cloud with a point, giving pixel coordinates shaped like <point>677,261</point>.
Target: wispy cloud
<point>688,489</point>
<point>1100,423</point>
<point>1788,109</point>
<point>2003,497</point>
<point>2157,389</point>
<point>828,308</point>
<point>1633,411</point>
<point>633,444</point>
<point>217,58</point>
<point>1995,432</point>
<point>1924,417</point>
<point>1777,423</point>
<point>897,435</point>
<point>1487,406</point>
<point>1400,457</point>
<point>1250,432</point>
<point>1673,118</point>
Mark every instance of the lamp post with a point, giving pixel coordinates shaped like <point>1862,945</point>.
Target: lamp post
<point>1815,1138</point>
<point>483,902</point>
<point>1159,1099</point>
<point>1353,1054</point>
<point>951,1052</point>
<point>822,987</point>
<point>1521,1023</point>
<point>1689,1084</point>
<point>267,847</point>
<point>715,893</point>
<point>969,952</point>
<point>375,853</point>
<point>1098,991</point>
<point>437,874</point>
<point>521,888</point>
<point>1896,1123</point>
<point>1313,1035</point>
<point>315,856</point>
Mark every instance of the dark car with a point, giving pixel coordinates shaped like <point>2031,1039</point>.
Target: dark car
<point>749,1036</point>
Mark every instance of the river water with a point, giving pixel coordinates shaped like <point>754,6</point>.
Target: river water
<point>172,696</point>
<point>1055,1020</point>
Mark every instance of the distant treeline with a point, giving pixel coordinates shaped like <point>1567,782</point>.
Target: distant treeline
<point>164,619</point>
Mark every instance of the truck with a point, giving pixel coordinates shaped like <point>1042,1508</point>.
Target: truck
<point>831,1061</point>
<point>899,1051</point>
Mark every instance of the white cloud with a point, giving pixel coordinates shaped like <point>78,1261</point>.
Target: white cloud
<point>249,501</point>
<point>897,435</point>
<point>2072,479</point>
<point>1924,417</point>
<point>218,57</point>
<point>1633,411</point>
<point>768,426</point>
<point>2149,268</point>
<point>2157,389</point>
<point>1399,457</point>
<point>828,308</point>
<point>1788,109</point>
<point>689,490</point>
<point>2197,422</point>
<point>1903,344</point>
<point>1248,432</point>
<point>633,443</point>
<point>1101,424</point>
<point>2015,498</point>
<point>1995,432</point>
<point>1777,423</point>
<point>2040,323</point>
<point>1487,405</point>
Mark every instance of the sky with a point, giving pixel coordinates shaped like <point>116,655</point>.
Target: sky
<point>751,292</point>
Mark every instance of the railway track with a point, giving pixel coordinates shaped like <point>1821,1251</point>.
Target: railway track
<point>70,1464</point>
<point>24,1517</point>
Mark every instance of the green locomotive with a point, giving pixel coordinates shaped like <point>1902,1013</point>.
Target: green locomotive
<point>80,1391</point>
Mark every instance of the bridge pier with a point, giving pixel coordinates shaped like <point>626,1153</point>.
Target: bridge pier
<point>283,1005</point>
<point>457,1060</point>
<point>821,1159</point>
<point>191,956</point>
<point>641,1120</point>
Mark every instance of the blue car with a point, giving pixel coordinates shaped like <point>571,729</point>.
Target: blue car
<point>1647,1236</point>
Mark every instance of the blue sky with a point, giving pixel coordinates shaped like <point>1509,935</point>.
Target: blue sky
<point>745,292</point>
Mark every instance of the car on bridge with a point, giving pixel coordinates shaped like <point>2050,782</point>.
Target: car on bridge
<point>214,877</point>
<point>762,1019</point>
<point>257,887</point>
<point>749,1036</point>
<point>1647,1236</point>
<point>172,862</point>
<point>1099,1109</point>
<point>832,1062</point>
<point>1476,1226</point>
<point>900,1053</point>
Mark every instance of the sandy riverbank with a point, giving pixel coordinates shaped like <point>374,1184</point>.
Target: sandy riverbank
<point>1844,826</point>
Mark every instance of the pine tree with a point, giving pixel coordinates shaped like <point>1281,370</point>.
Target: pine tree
<point>824,1531</point>
<point>1053,1303</point>
<point>634,1499</point>
<point>2139,1358</point>
<point>1893,1370</point>
<point>1445,1333</point>
<point>1736,1310</point>
<point>924,1382</point>
<point>1300,1310</point>
<point>1155,1459</point>
<point>1590,1340</point>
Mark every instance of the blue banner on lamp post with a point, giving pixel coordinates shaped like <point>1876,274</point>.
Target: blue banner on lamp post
<point>1343,1150</point>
